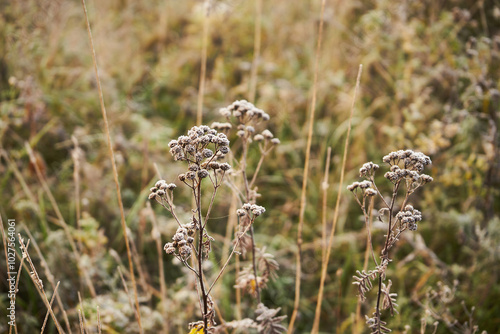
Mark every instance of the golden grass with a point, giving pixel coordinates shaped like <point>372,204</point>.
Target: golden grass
<point>306,174</point>
<point>324,264</point>
<point>115,172</point>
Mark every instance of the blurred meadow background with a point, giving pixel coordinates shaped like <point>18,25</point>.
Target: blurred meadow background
<point>431,71</point>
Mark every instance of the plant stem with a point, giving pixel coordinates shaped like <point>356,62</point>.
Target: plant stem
<point>200,259</point>
<point>298,270</point>
<point>248,199</point>
<point>257,290</point>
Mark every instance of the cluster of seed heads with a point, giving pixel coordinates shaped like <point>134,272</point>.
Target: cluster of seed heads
<point>250,209</point>
<point>181,245</point>
<point>194,147</point>
<point>412,160</point>
<point>368,169</point>
<point>221,126</point>
<point>396,174</point>
<point>160,189</point>
<point>409,217</point>
<point>365,186</point>
<point>243,110</point>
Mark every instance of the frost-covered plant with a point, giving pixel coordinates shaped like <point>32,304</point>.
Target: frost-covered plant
<point>202,149</point>
<point>247,119</point>
<point>406,167</point>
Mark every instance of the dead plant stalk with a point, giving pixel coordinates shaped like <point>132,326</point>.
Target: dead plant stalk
<point>113,164</point>
<point>306,173</point>
<point>324,265</point>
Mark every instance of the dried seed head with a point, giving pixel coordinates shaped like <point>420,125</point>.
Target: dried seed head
<point>182,177</point>
<point>275,141</point>
<point>241,212</point>
<point>193,167</point>
<point>370,192</point>
<point>159,183</point>
<point>214,165</point>
<point>207,153</point>
<point>225,166</point>
<point>258,138</point>
<point>257,210</point>
<point>202,173</point>
<point>267,134</point>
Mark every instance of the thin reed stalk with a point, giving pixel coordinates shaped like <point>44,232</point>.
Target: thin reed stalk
<point>324,265</point>
<point>306,173</point>
<point>5,246</point>
<point>51,301</point>
<point>83,313</point>
<point>38,282</point>
<point>115,171</point>
<point>324,189</point>
<point>203,72</point>
<point>98,321</point>
<point>256,50</point>
<point>126,291</point>
<point>82,330</point>
<point>48,273</point>
<point>75,155</point>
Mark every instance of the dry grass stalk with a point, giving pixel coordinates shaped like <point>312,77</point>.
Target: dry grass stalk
<point>155,233</point>
<point>115,171</point>
<point>326,259</point>
<point>98,321</point>
<point>82,329</point>
<point>256,50</point>
<point>48,273</point>
<point>306,173</point>
<point>324,189</point>
<point>51,301</point>
<point>38,282</point>
<point>83,313</point>
<point>203,72</point>
<point>5,246</point>
<point>75,155</point>
<point>127,292</point>
<point>61,220</point>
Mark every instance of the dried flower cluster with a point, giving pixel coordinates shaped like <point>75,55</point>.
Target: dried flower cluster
<point>203,148</point>
<point>246,119</point>
<point>244,111</point>
<point>406,167</point>
<point>193,147</point>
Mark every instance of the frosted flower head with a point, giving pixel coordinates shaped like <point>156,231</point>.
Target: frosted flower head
<point>244,111</point>
<point>368,169</point>
<point>257,210</point>
<point>225,166</point>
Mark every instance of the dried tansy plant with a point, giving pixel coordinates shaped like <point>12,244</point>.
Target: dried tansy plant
<point>247,118</point>
<point>202,149</point>
<point>405,174</point>
<point>249,124</point>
